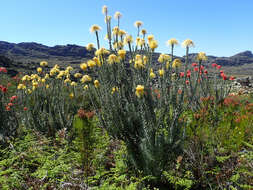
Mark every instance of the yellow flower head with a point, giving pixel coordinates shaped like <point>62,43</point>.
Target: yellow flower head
<point>104,10</point>
<point>47,86</point>
<point>143,31</point>
<point>118,45</point>
<point>83,66</point>
<point>122,32</point>
<point>172,42</point>
<point>73,84</point>
<point>150,37</point>
<point>21,86</point>
<point>97,61</point>
<point>86,87</point>
<point>29,91</point>
<point>90,46</point>
<point>176,63</point>
<point>139,91</point>
<point>122,53</point>
<point>69,68</point>
<point>108,19</point>
<point>138,24</point>
<point>26,78</point>
<point>67,80</point>
<point>102,51</point>
<point>43,80</point>
<point>112,59</point>
<point>39,69</point>
<point>117,15</point>
<point>96,83</point>
<point>115,30</point>
<point>95,28</point>
<point>71,95</point>
<point>77,75</point>
<point>163,58</point>
<point>153,44</point>
<point>43,63</point>
<point>201,56</point>
<point>161,72</point>
<point>91,63</point>
<point>128,39</point>
<point>138,62</point>
<point>85,78</point>
<point>152,74</point>
<point>114,89</point>
<point>188,43</point>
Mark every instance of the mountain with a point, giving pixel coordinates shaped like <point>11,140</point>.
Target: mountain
<point>28,55</point>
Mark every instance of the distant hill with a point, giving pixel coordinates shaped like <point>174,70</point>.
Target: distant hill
<point>28,55</point>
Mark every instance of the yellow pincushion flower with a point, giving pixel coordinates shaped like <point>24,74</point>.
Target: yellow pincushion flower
<point>69,68</point>
<point>176,63</point>
<point>143,31</point>
<point>114,89</point>
<point>71,95</point>
<point>95,28</point>
<point>139,91</point>
<point>73,84</point>
<point>43,80</point>
<point>122,33</point>
<point>104,10</point>
<point>97,61</point>
<point>118,45</point>
<point>108,19</point>
<point>47,86</point>
<point>85,78</point>
<point>96,83</point>
<point>138,24</point>
<point>91,63</point>
<point>122,53</point>
<point>188,43</point>
<point>115,30</point>
<point>117,15</point>
<point>86,87</point>
<point>26,78</point>
<point>112,59</point>
<point>150,37</point>
<point>90,46</point>
<point>128,39</point>
<point>163,58</point>
<point>67,80</point>
<point>152,74</point>
<point>21,86</point>
<point>201,56</point>
<point>43,63</point>
<point>172,42</point>
<point>153,44</point>
<point>77,75</point>
<point>46,76</point>
<point>29,91</point>
<point>102,51</point>
<point>161,72</point>
<point>39,69</point>
<point>83,66</point>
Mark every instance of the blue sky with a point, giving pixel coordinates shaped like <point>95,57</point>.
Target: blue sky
<point>218,27</point>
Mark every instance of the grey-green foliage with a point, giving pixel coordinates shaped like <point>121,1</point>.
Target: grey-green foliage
<point>50,110</point>
<point>150,125</point>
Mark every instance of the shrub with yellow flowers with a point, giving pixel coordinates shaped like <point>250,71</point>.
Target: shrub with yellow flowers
<point>140,102</point>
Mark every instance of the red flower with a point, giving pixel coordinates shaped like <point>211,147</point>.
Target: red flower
<point>10,104</point>
<point>218,67</point>
<point>4,89</point>
<point>13,98</point>
<point>221,71</point>
<point>196,69</point>
<point>194,64</point>
<point>214,65</point>
<point>187,82</point>
<point>25,108</point>
<point>8,108</point>
<point>188,74</point>
<point>202,67</point>
<point>205,71</point>
<point>181,74</point>
<point>232,78</point>
<point>3,69</point>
